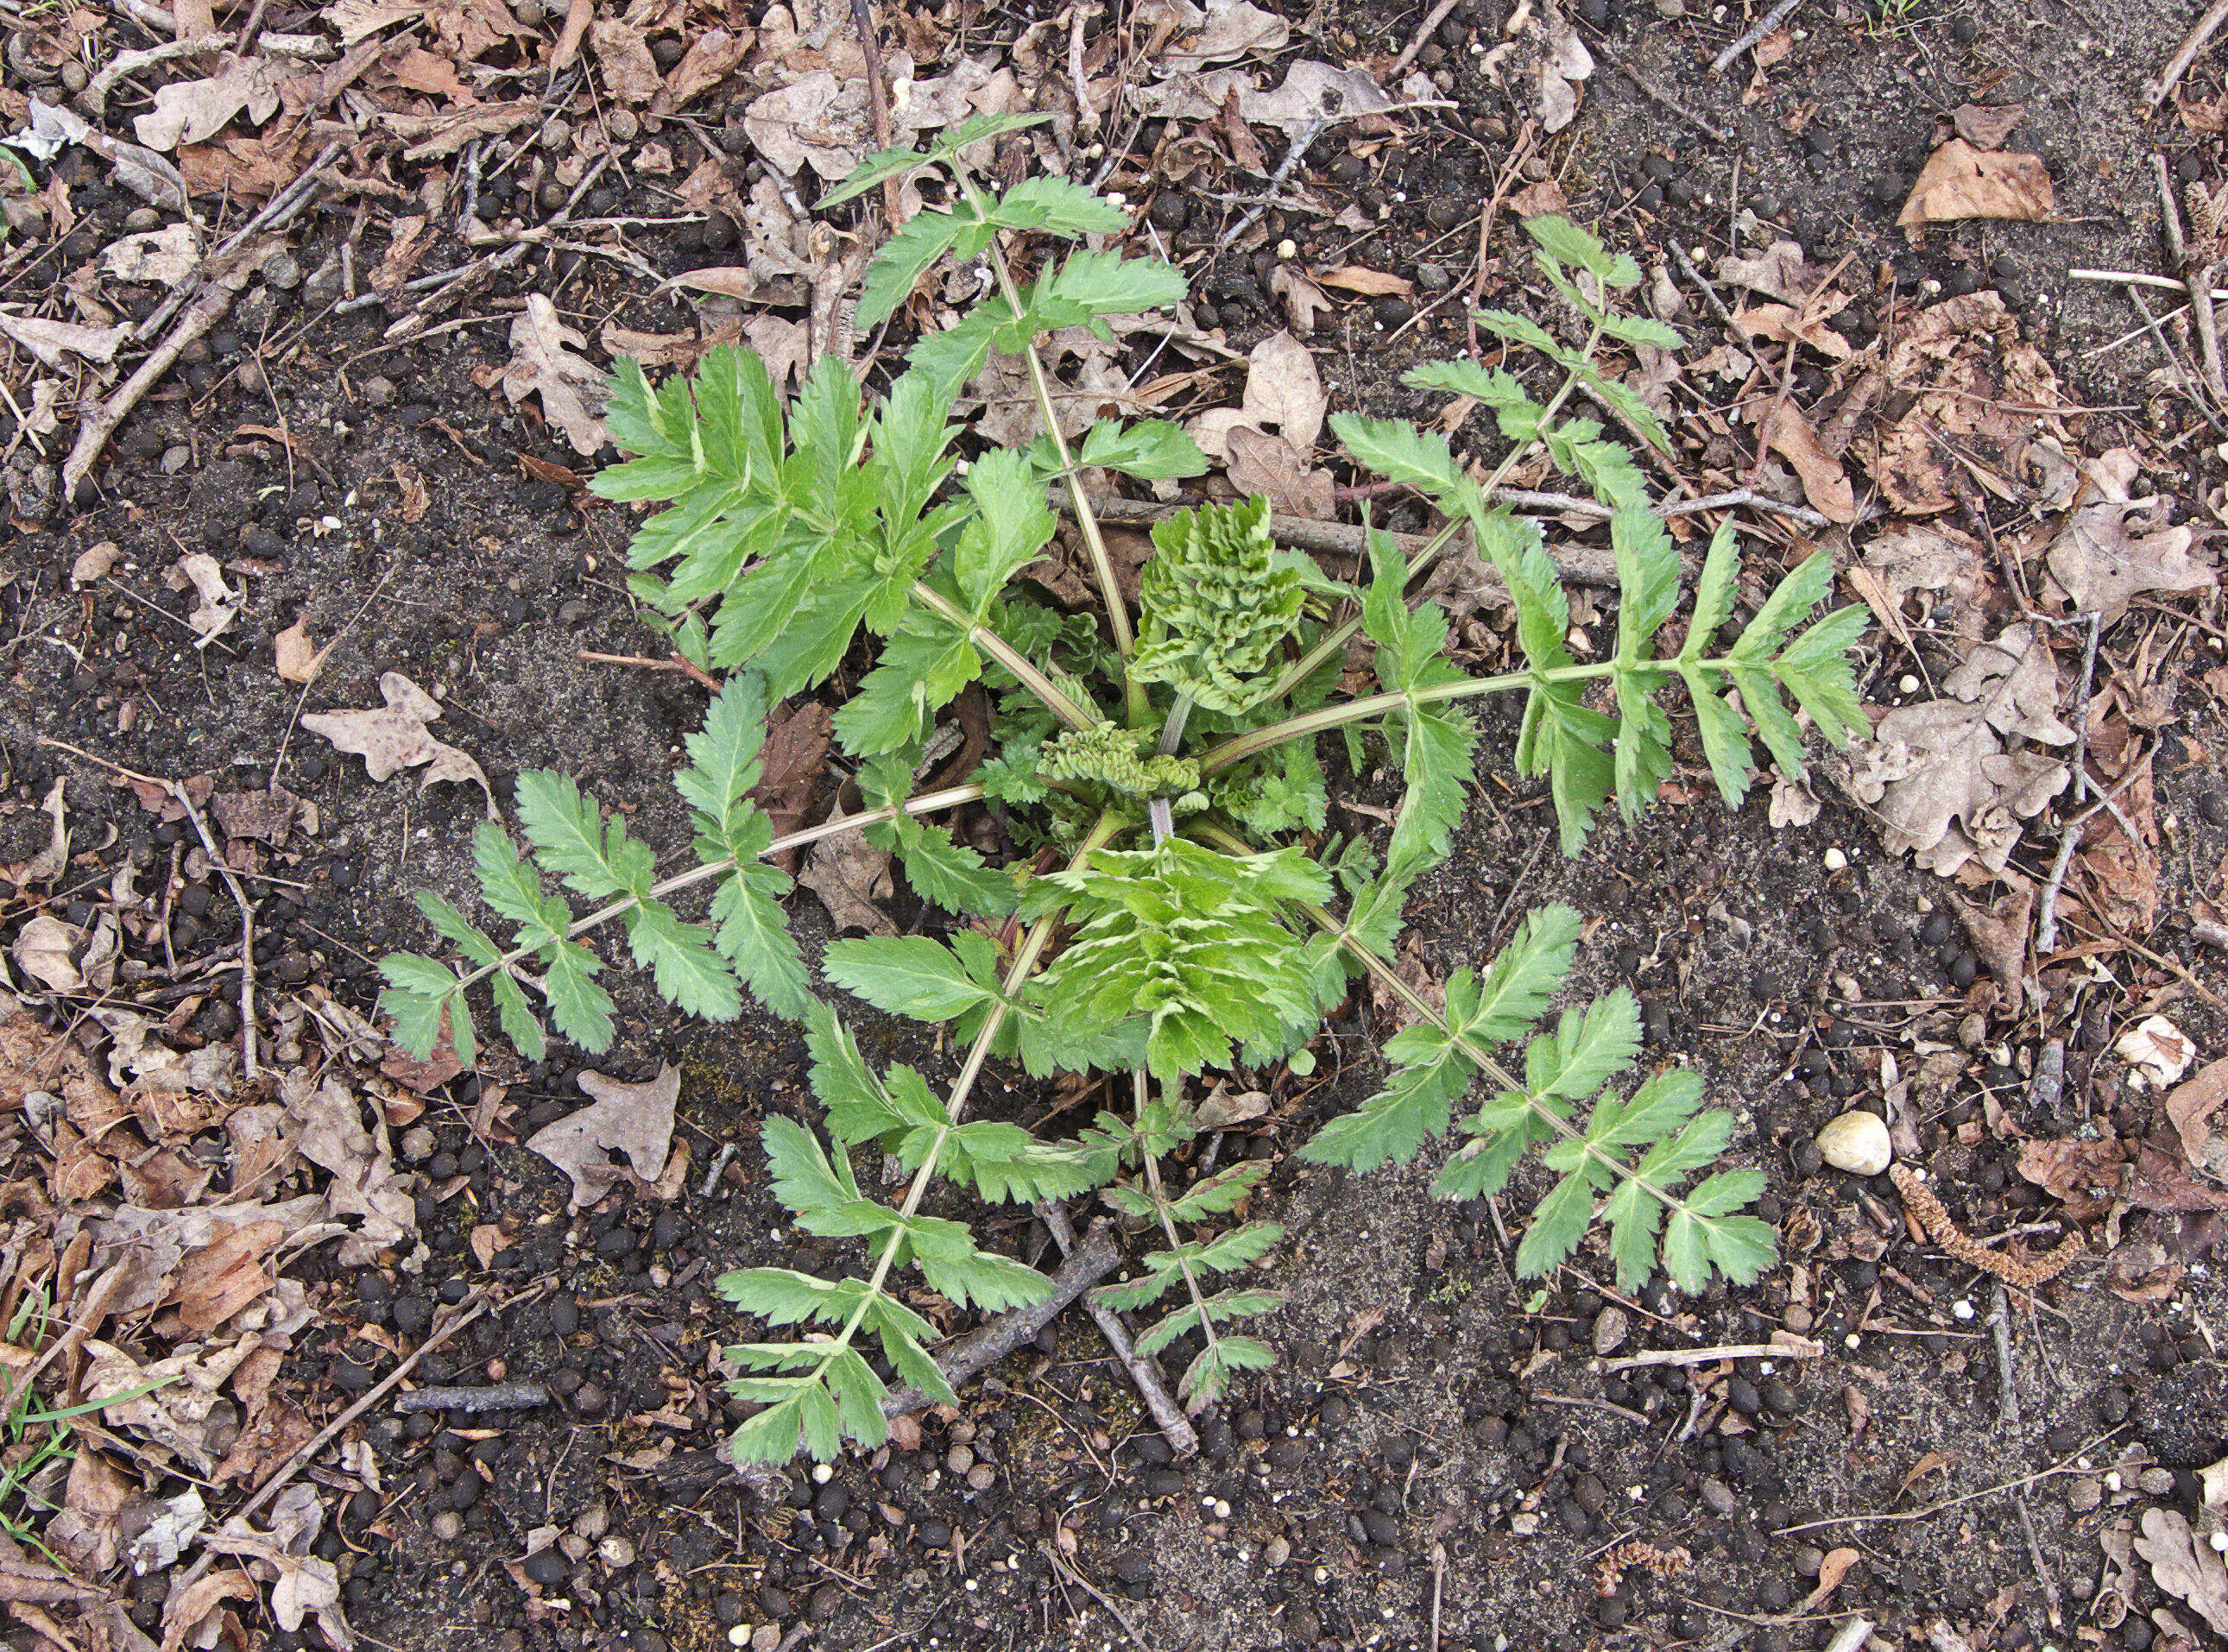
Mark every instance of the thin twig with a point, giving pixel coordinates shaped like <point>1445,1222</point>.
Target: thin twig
<point>501,1396</point>
<point>1660,96</point>
<point>2190,385</point>
<point>1788,1350</point>
<point>2034,1551</point>
<point>1999,1320</point>
<point>2070,1465</point>
<point>208,306</point>
<point>1086,1264</point>
<point>248,1036</point>
<point>2138,278</point>
<point>1301,141</point>
<point>1175,1426</point>
<point>1420,39</point>
<point>1763,25</point>
<point>2203,30</point>
<point>2045,936</point>
<point>1060,1565</point>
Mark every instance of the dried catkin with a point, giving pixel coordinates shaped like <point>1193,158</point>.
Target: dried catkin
<point>2024,1272</point>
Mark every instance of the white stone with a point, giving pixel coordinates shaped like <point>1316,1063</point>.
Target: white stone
<point>1834,860</point>
<point>1857,1142</point>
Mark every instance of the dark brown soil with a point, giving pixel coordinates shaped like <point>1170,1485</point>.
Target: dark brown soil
<point>1440,1458</point>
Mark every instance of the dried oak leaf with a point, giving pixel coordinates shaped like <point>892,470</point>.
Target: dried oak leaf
<point>1959,181</point>
<point>2184,1566</point>
<point>393,737</point>
<point>1939,775</point>
<point>545,360</point>
<point>186,112</point>
<point>2192,1107</point>
<point>1779,272</point>
<point>635,1119</point>
<point>1986,127</point>
<point>1825,484</point>
<point>850,875</point>
<point>2102,563</point>
<point>360,1160</point>
<point>629,71</point>
<point>298,659</point>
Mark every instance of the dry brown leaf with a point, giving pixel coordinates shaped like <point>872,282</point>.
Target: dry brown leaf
<point>51,341</point>
<point>393,737</point>
<point>630,71</point>
<point>545,360</point>
<point>1371,284</point>
<point>50,862</point>
<point>184,1609</point>
<point>2101,564</point>
<point>1785,324</point>
<point>818,120</point>
<point>163,258</point>
<point>1269,465</point>
<point>298,659</point>
<point>44,951</point>
<point>219,1279</point>
<point>1226,30</point>
<point>635,1119</point>
<point>1825,483</point>
<point>186,112</point>
<point>268,815</point>
<point>2191,1106</point>
<point>360,1159</point>
<point>850,875</point>
<point>1834,1567</point>
<point>1959,181</point>
<point>301,1582</point>
<point>2184,1566</point>
<point>1283,393</point>
<point>1779,272</point>
<point>1939,773</point>
<point>220,603</point>
<point>713,55</point>
<point>795,755</point>
<point>1986,127</point>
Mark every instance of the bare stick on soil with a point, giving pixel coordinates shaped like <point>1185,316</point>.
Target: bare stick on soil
<point>1422,38</point>
<point>204,311</point>
<point>1763,25</point>
<point>1791,1350</point>
<point>502,1396</point>
<point>1086,1264</point>
<point>2162,88</point>
<point>1301,141</point>
<point>1175,1426</point>
<point>1661,96</point>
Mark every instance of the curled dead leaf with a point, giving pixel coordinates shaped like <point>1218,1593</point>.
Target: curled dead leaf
<point>635,1119</point>
<point>1959,181</point>
<point>393,737</point>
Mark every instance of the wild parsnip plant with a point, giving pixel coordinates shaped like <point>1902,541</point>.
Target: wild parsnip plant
<point>1163,768</point>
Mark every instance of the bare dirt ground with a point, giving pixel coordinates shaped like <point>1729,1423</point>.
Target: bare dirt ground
<point>1444,1456</point>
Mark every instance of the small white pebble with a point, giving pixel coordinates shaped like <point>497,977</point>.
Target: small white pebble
<point>1963,1310</point>
<point>1907,683</point>
<point>740,1635</point>
<point>823,1473</point>
<point>2112,1481</point>
<point>1288,248</point>
<point>2219,1541</point>
<point>1221,1510</point>
<point>1117,197</point>
<point>1833,860</point>
<point>1853,1342</point>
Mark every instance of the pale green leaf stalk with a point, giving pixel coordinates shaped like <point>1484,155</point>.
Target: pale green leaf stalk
<point>1155,896</point>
